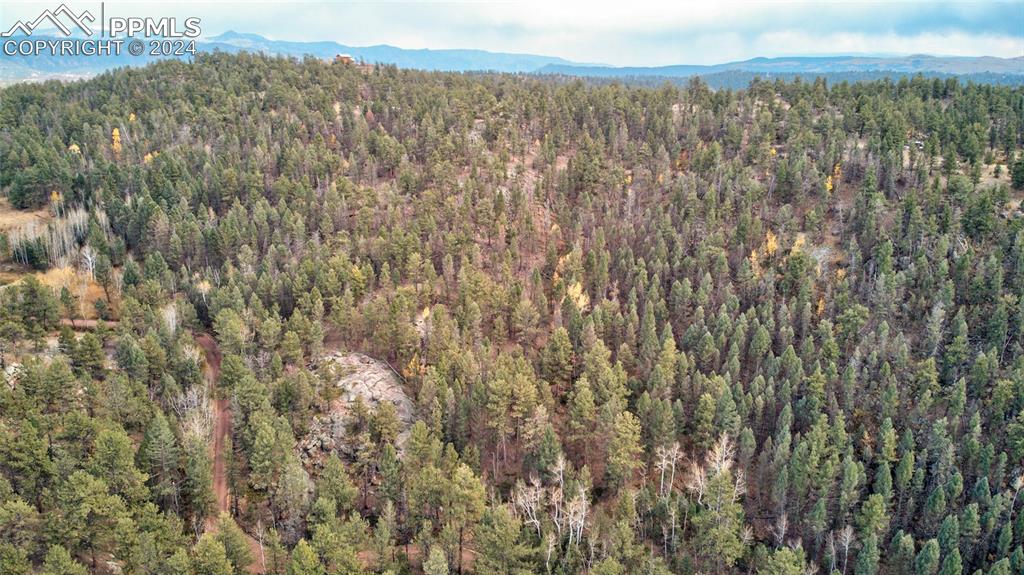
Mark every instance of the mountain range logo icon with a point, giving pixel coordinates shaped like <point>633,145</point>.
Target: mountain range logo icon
<point>54,17</point>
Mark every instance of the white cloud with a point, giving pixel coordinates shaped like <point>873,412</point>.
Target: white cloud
<point>620,33</point>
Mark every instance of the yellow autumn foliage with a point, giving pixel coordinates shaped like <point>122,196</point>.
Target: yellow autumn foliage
<point>771,244</point>
<point>801,240</point>
<point>74,149</point>
<point>415,367</point>
<point>578,296</point>
<point>755,263</point>
<point>115,142</point>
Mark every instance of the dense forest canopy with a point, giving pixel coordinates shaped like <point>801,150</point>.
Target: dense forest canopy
<point>642,330</point>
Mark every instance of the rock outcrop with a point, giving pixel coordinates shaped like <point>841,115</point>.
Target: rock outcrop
<point>358,377</point>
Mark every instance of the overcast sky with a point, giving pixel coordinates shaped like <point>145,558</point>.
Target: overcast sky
<point>622,33</point>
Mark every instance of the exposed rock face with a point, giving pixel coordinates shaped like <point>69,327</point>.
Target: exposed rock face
<point>359,376</point>
<point>823,257</point>
<point>12,373</point>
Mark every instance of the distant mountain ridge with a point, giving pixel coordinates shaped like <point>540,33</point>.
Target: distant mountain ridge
<point>981,69</point>
<point>918,63</point>
<point>451,60</point>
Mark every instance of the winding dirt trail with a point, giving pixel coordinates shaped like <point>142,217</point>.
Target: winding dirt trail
<point>218,448</point>
<point>221,429</point>
<point>220,475</point>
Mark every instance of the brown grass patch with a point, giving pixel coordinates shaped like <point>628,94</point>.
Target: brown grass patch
<point>988,178</point>
<point>12,218</point>
<point>85,289</point>
<point>8,277</point>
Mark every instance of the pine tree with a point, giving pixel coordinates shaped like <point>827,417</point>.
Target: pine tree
<point>867,558</point>
<point>159,456</point>
<point>901,554</point>
<point>952,564</point>
<point>236,548</point>
<point>198,478</point>
<point>501,551</point>
<point>785,561</point>
<point>703,422</point>
<point>624,448</point>
<point>384,537</point>
<point>927,561</point>
<point>582,414</point>
<point>436,563</point>
<point>114,462</point>
<point>335,483</point>
<point>59,562</point>
<point>557,359</point>
<point>464,501</point>
<point>1017,173</point>
<point>304,561</point>
<point>719,522</point>
<point>210,558</point>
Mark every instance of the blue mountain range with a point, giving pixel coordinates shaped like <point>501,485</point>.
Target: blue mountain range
<point>1011,70</point>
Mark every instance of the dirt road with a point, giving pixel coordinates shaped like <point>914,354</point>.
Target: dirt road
<point>220,474</point>
<point>221,428</point>
<point>218,448</point>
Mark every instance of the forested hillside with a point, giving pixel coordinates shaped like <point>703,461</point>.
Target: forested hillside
<point>633,330</point>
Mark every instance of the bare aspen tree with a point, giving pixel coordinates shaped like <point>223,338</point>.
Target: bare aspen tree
<point>780,528</point>
<point>170,316</point>
<point>697,482</point>
<point>846,539</point>
<point>551,542</point>
<point>577,516</point>
<point>527,499</point>
<point>666,459</point>
<point>830,545</point>
<point>87,258</point>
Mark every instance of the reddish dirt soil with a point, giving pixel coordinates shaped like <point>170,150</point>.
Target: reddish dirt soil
<point>222,416</point>
<point>221,429</point>
<point>88,324</point>
<point>415,557</point>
